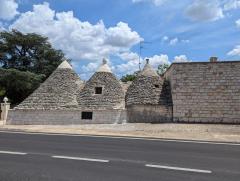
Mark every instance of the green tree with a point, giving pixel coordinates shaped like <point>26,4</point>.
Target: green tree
<point>26,61</point>
<point>17,85</point>
<point>28,52</point>
<point>162,68</point>
<point>129,77</point>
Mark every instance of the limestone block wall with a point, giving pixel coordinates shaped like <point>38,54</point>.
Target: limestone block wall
<point>149,114</point>
<point>205,92</point>
<point>63,117</point>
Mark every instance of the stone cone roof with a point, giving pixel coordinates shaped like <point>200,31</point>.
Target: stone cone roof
<point>146,88</point>
<point>59,91</point>
<point>104,67</point>
<point>148,70</point>
<point>112,96</point>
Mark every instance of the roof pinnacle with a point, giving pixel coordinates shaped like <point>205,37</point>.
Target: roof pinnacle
<point>104,61</point>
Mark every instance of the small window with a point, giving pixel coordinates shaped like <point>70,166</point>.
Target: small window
<point>98,90</point>
<point>87,115</point>
<point>156,86</point>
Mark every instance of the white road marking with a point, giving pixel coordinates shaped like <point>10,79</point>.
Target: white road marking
<point>80,158</point>
<point>12,153</point>
<point>178,168</point>
<point>126,137</point>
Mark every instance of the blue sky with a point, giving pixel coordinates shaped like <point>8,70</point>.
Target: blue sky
<point>88,30</point>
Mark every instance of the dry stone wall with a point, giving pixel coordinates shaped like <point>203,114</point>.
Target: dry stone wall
<point>144,90</point>
<point>112,96</point>
<point>59,91</point>
<point>205,92</point>
<point>148,99</point>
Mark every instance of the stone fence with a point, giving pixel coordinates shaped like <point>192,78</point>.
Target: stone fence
<point>64,117</point>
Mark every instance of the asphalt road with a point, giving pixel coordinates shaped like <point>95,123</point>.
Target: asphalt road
<point>38,157</point>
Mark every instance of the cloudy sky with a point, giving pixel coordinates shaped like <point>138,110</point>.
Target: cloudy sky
<point>88,30</point>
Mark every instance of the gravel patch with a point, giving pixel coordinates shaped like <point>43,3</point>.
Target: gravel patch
<point>203,132</point>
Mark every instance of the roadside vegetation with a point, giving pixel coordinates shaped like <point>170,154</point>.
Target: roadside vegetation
<point>26,60</point>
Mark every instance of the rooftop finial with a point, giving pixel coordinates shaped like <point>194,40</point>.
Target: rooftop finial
<point>65,65</point>
<point>104,61</point>
<point>5,99</point>
<point>147,60</point>
<point>104,67</point>
<point>213,59</point>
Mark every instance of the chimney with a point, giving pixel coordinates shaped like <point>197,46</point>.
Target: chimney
<point>213,59</point>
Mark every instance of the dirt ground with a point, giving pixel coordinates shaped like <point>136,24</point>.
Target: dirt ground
<point>203,132</point>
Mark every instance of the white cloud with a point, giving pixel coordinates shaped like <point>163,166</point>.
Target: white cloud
<point>238,23</point>
<point>181,58</point>
<point>78,39</point>
<point>157,60</point>
<point>121,36</point>
<point>155,2</point>
<point>8,9</point>
<point>235,51</point>
<point>185,41</point>
<point>2,27</point>
<point>132,64</point>
<point>165,38</point>
<point>173,41</point>
<point>89,69</point>
<point>231,4</point>
<point>204,10</point>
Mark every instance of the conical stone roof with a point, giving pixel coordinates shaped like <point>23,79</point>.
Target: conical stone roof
<point>104,67</point>
<point>146,88</point>
<point>148,70</point>
<point>112,96</point>
<point>59,91</point>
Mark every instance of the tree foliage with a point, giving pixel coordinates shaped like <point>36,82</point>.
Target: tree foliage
<point>28,52</point>
<point>162,68</point>
<point>129,77</point>
<point>17,85</point>
<point>26,61</point>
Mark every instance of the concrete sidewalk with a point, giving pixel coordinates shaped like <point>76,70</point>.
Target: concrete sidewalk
<point>203,132</point>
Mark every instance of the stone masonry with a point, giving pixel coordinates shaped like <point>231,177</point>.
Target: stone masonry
<point>195,92</point>
<point>112,96</point>
<point>205,92</point>
<point>147,98</point>
<point>59,91</point>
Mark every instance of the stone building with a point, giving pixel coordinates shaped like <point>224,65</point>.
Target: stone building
<point>54,102</point>
<point>195,92</point>
<point>205,92</point>
<point>103,92</point>
<point>58,91</point>
<point>64,99</point>
<point>147,99</point>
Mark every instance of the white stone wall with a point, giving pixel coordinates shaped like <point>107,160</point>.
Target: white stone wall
<point>64,117</point>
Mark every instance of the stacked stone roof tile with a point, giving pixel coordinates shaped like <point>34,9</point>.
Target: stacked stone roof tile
<point>112,96</point>
<point>147,89</point>
<point>64,90</point>
<point>59,91</point>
